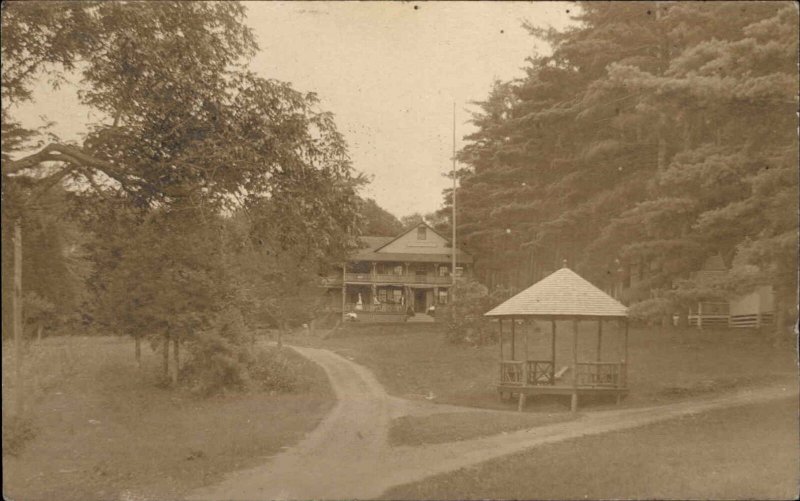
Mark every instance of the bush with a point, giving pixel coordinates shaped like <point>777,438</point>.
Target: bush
<point>278,370</point>
<point>464,318</point>
<point>218,357</point>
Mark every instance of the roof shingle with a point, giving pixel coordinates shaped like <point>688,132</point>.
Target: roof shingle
<point>563,293</point>
<point>369,253</point>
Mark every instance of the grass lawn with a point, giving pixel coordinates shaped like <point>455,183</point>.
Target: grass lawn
<point>105,431</point>
<point>453,426</point>
<point>746,452</point>
<point>412,360</point>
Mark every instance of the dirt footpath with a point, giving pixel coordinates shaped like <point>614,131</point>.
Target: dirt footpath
<point>348,455</point>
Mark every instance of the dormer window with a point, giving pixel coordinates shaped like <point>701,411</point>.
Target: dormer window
<point>422,233</point>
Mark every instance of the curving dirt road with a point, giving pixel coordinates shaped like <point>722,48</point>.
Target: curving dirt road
<point>348,456</point>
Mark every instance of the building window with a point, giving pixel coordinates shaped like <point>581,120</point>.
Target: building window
<point>422,233</point>
<point>398,269</point>
<point>443,271</point>
<point>442,296</point>
<point>382,295</point>
<point>398,294</point>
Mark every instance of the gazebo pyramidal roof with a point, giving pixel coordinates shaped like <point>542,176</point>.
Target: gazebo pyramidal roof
<point>563,293</point>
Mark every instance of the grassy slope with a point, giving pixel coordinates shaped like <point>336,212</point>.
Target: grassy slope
<point>454,426</point>
<point>736,453</point>
<point>104,429</point>
<point>413,360</point>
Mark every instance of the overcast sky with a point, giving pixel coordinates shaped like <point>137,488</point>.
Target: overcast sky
<point>390,72</point>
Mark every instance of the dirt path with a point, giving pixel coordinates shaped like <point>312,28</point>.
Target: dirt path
<point>348,456</point>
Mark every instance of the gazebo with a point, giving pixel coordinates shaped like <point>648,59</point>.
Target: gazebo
<point>563,295</point>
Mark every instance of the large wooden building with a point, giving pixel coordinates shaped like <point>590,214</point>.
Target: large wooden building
<point>389,275</point>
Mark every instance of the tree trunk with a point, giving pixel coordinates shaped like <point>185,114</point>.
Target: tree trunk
<point>176,359</point>
<point>137,342</point>
<point>17,312</point>
<point>281,330</point>
<point>166,355</point>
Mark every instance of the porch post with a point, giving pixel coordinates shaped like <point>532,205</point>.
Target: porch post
<point>574,403</point>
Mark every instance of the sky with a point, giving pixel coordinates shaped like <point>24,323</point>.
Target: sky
<point>389,71</point>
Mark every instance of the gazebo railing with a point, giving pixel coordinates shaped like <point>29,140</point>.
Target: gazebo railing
<point>540,372</point>
<point>527,372</point>
<point>602,374</point>
<point>511,372</point>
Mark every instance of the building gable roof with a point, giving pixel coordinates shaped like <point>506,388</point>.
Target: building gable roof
<point>406,232</point>
<point>565,294</point>
<point>372,251</point>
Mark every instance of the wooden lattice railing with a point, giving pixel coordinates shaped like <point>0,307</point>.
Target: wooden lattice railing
<point>541,372</point>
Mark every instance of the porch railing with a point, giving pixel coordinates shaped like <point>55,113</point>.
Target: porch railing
<point>408,278</point>
<point>377,308</point>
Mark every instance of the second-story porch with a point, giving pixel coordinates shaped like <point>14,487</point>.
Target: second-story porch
<point>396,273</point>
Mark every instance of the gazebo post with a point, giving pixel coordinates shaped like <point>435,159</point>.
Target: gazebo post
<point>525,333</point>
<point>574,403</point>
<point>524,374</point>
<point>513,340</point>
<point>599,339</point>
<point>624,368</point>
<point>553,352</point>
<point>500,324</point>
<point>625,360</point>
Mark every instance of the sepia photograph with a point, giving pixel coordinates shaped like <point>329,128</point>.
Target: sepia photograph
<point>432,250</point>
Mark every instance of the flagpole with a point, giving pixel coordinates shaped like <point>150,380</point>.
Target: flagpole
<point>455,248</point>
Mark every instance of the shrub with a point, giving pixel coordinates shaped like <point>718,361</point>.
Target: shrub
<point>464,318</point>
<point>279,370</point>
<point>218,357</point>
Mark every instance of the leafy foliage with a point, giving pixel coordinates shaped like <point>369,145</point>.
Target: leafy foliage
<point>187,137</point>
<point>377,221</point>
<point>464,316</point>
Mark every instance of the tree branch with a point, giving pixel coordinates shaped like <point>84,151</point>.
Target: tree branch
<point>73,155</point>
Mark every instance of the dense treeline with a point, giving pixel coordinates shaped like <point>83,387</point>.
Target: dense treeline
<point>654,136</point>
